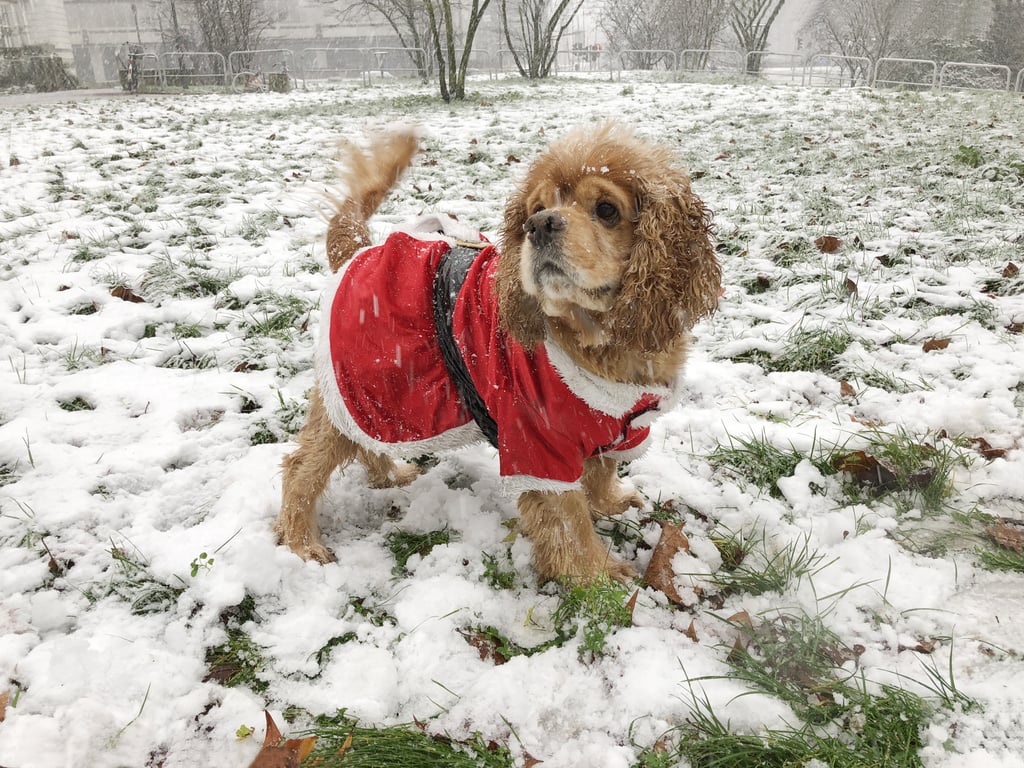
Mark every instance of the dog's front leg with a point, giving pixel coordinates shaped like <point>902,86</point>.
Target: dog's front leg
<point>606,494</point>
<point>305,474</point>
<point>565,544</point>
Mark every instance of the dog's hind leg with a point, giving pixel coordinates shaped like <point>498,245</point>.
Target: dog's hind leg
<point>305,474</point>
<point>382,472</point>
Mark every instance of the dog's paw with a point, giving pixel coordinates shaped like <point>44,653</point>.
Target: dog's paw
<point>617,504</point>
<point>620,570</point>
<point>316,552</point>
<point>397,476</point>
<point>305,547</point>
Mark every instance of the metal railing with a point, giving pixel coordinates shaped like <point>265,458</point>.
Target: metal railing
<point>974,77</point>
<point>900,73</point>
<point>185,68</point>
<point>829,69</point>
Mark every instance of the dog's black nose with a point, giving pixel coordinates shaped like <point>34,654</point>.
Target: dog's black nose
<point>542,227</point>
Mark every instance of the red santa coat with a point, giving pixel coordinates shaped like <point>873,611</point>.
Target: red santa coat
<point>385,385</point>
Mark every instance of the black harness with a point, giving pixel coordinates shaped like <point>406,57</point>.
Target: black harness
<point>448,280</point>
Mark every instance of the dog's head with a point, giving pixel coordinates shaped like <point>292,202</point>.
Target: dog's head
<point>605,236</point>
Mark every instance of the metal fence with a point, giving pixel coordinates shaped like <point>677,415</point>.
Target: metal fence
<point>283,68</point>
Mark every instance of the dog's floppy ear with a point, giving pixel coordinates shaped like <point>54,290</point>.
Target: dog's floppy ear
<point>520,315</point>
<point>673,277</point>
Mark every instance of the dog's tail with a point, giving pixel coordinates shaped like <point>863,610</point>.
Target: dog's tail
<point>368,176</point>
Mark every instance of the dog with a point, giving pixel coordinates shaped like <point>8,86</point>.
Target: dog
<point>560,345</point>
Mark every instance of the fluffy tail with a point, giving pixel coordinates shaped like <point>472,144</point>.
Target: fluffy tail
<point>368,175</point>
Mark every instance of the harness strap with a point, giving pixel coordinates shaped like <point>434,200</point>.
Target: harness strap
<point>448,280</point>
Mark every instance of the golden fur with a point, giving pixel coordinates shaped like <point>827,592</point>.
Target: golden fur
<point>606,249</point>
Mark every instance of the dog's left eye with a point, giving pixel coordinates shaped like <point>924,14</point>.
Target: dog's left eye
<point>607,213</point>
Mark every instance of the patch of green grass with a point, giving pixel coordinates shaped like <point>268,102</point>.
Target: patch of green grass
<point>76,404</point>
<point>278,317</point>
<point>132,581</point>
<point>499,573</point>
<point>343,743</point>
<point>844,721</point>
<point>8,474</point>
<point>239,660</point>
<point>811,350</point>
<point>764,464</point>
<point>916,472</point>
<point>997,559</point>
<point>969,156</point>
<point>188,278</point>
<point>879,731</point>
<point>592,612</point>
<point>256,227</point>
<point>404,544</point>
<point>758,566</point>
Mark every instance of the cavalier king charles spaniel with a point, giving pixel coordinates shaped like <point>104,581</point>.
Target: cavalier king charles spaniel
<point>559,345</point>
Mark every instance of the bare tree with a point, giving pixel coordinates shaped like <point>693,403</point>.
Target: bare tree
<point>220,25</point>
<point>452,49</point>
<point>1005,38</point>
<point>537,33</point>
<point>409,21</point>
<point>751,21</point>
<point>695,24</point>
<point>871,29</point>
<point>635,25</point>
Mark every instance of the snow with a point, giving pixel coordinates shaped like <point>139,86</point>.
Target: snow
<point>164,467</point>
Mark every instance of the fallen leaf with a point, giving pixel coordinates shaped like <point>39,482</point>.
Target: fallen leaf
<point>746,625</point>
<point>846,389</point>
<point>925,646</point>
<point>691,632</point>
<point>1015,327</point>
<point>124,293</point>
<point>1008,534</point>
<point>659,574</point>
<point>851,287</point>
<point>935,344</point>
<point>982,446</point>
<point>273,754</point>
<point>1011,270</point>
<point>866,470</point>
<point>5,697</point>
<point>827,243</point>
<point>529,761</point>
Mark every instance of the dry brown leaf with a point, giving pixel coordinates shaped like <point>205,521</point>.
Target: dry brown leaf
<point>529,761</point>
<point>631,604</point>
<point>851,287</point>
<point>846,389</point>
<point>5,697</point>
<point>1008,534</point>
<point>691,632</point>
<point>982,446</point>
<point>273,754</point>
<point>124,293</point>
<point>925,646</point>
<point>828,243</point>
<point>1011,270</point>
<point>741,619</point>
<point>659,574</point>
<point>935,344</point>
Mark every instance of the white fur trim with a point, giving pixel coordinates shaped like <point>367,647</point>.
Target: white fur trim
<point>517,484</point>
<point>437,226</point>
<point>610,397</point>
<point>341,417</point>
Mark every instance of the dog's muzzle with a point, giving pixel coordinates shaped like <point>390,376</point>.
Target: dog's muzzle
<point>543,227</point>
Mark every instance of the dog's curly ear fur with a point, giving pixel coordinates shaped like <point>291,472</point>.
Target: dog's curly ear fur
<point>520,315</point>
<point>673,278</point>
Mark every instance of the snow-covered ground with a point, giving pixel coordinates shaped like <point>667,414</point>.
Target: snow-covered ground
<point>140,440</point>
